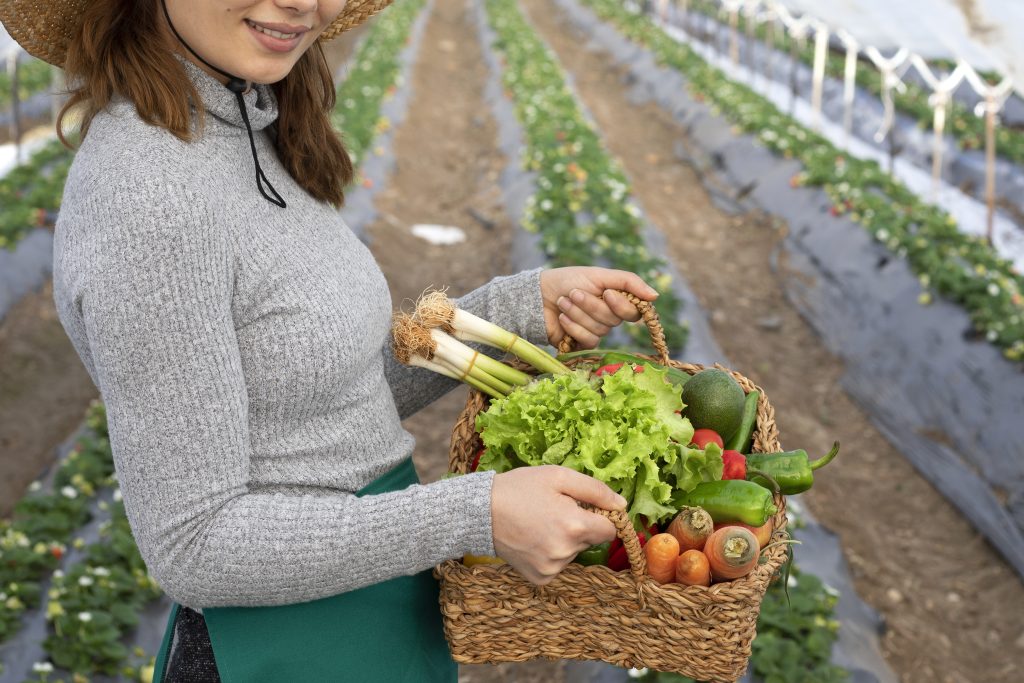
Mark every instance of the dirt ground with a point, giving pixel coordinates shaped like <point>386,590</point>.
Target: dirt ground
<point>954,610</point>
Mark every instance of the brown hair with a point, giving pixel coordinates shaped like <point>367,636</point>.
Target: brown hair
<point>115,53</point>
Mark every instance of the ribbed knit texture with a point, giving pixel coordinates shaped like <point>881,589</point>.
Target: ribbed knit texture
<point>243,353</point>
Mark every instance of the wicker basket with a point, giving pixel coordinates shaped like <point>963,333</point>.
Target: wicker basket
<point>492,614</point>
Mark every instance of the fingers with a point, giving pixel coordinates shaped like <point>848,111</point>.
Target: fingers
<point>620,305</point>
<point>630,282</point>
<point>586,489</point>
<point>587,317</point>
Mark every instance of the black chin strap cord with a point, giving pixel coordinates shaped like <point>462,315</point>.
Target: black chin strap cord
<point>237,86</point>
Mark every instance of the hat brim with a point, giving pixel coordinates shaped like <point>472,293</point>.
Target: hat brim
<point>44,28</point>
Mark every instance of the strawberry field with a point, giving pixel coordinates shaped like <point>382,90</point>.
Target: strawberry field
<point>598,132</point>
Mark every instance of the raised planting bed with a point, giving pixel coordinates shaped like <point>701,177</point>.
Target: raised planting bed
<point>580,205</point>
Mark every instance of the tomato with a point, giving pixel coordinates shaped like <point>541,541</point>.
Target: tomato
<point>607,369</point>
<point>702,437</point>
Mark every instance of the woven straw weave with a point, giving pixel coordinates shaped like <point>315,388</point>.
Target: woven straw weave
<point>44,28</point>
<point>492,614</point>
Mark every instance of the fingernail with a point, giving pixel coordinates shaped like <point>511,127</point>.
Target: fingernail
<point>576,295</point>
<point>564,303</point>
<point>621,501</point>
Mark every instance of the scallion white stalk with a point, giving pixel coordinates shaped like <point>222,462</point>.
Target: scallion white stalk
<point>452,347</point>
<point>469,327</point>
<point>444,369</point>
<point>467,368</point>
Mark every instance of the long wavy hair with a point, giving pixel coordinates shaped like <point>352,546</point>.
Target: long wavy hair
<point>121,49</point>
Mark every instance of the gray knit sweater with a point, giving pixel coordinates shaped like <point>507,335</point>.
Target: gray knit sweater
<point>242,351</point>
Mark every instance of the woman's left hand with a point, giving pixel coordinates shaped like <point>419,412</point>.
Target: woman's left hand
<point>581,301</point>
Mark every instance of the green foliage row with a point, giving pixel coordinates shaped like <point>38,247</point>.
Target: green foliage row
<point>34,540</point>
<point>34,76</point>
<point>30,194</point>
<point>580,207</point>
<point>374,75</point>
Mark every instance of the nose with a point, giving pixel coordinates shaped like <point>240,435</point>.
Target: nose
<point>298,6</point>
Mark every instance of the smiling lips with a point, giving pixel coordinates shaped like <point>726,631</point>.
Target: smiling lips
<point>277,37</point>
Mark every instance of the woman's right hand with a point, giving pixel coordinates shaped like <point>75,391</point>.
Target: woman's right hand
<point>537,526</point>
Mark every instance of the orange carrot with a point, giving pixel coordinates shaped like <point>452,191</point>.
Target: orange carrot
<point>692,569</point>
<point>732,553</point>
<point>762,533</point>
<point>662,551</point>
<point>691,527</point>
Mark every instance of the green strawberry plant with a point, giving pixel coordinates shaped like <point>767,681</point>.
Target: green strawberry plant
<point>581,207</point>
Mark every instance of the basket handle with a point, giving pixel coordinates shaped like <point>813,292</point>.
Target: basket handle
<point>650,318</point>
<point>627,534</point>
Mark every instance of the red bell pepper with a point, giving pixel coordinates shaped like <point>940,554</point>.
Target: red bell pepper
<point>618,560</point>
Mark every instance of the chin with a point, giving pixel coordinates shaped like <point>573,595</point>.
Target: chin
<point>267,75</point>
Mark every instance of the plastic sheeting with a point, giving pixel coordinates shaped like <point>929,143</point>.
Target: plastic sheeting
<point>983,33</point>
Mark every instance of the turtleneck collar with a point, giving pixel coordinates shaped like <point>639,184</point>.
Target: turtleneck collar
<point>260,102</point>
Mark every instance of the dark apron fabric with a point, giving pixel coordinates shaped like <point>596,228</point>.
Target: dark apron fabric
<point>388,632</point>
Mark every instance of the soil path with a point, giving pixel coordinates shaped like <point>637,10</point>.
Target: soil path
<point>955,611</point>
<point>44,388</point>
<point>447,166</point>
<point>44,391</point>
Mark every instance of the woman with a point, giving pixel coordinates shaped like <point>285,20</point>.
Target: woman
<point>237,331</point>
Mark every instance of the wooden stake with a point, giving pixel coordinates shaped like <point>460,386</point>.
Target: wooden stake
<point>15,125</point>
<point>991,107</point>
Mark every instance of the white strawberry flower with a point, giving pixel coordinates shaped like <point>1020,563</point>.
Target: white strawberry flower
<point>69,492</point>
<point>85,616</point>
<point>42,668</point>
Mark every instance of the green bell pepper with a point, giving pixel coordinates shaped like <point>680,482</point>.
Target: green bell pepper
<point>595,554</point>
<point>792,471</point>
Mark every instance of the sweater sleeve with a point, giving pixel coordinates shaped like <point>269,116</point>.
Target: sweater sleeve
<point>512,302</point>
<point>156,305</point>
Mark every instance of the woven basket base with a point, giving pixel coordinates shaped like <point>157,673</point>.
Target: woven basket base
<point>491,614</point>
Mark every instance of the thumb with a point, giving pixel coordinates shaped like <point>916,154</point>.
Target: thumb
<point>586,489</point>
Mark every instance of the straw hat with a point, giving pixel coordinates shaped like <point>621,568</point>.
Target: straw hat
<point>44,27</point>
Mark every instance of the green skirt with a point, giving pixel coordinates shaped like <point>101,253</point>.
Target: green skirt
<point>389,632</point>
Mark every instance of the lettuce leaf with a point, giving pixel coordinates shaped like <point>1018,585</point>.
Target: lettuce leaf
<point>623,429</point>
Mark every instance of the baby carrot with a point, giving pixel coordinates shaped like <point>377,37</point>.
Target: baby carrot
<point>662,551</point>
<point>693,569</point>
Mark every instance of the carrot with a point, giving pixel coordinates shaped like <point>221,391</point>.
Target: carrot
<point>691,527</point>
<point>662,551</point>
<point>732,553</point>
<point>762,533</point>
<point>692,569</point>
